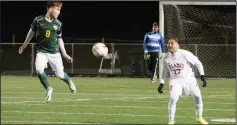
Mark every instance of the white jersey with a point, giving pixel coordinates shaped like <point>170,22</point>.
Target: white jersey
<point>179,65</point>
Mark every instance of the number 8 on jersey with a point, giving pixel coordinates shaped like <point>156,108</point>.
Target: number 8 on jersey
<point>47,34</point>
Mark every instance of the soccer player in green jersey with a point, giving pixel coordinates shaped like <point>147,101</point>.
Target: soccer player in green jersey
<point>48,31</point>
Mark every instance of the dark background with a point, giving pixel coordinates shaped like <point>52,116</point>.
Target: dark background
<point>125,21</point>
<point>83,19</point>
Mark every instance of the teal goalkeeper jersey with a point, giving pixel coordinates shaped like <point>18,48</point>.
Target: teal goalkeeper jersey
<point>47,34</point>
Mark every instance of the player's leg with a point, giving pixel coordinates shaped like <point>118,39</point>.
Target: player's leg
<point>64,76</point>
<point>175,90</point>
<point>196,93</point>
<point>40,64</point>
<point>56,63</point>
<point>148,63</point>
<point>154,64</point>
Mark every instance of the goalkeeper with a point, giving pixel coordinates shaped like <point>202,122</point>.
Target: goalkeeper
<point>153,43</point>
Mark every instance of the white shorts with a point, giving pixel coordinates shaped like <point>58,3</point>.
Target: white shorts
<point>188,85</point>
<point>54,60</point>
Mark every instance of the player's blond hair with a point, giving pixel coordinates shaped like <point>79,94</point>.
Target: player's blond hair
<point>54,3</point>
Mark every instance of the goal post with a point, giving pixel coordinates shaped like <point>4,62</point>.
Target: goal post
<point>208,30</point>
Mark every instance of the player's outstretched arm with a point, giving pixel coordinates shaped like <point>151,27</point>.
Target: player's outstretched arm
<point>201,71</point>
<point>29,36</point>
<point>163,74</point>
<point>146,55</point>
<point>196,62</point>
<point>62,47</point>
<point>144,44</point>
<point>63,50</point>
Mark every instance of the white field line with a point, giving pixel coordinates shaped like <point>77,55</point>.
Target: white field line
<point>127,99</point>
<point>229,96</point>
<point>91,113</point>
<point>150,91</point>
<point>224,120</point>
<point>107,98</point>
<point>45,122</point>
<point>128,89</point>
<point>18,87</point>
<point>138,107</point>
<point>96,94</point>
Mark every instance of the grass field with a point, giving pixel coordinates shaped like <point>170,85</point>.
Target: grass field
<point>108,100</point>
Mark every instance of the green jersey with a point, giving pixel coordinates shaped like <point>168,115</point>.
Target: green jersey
<point>47,34</point>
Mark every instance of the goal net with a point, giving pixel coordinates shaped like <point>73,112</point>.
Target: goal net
<point>208,29</point>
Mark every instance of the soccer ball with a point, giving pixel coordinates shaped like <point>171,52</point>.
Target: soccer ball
<point>100,49</point>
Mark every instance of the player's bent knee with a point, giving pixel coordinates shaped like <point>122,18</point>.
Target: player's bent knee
<point>198,97</point>
<point>60,74</point>
<point>197,94</point>
<point>174,99</point>
<point>39,71</point>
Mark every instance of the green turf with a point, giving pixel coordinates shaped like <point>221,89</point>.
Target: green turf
<point>108,100</point>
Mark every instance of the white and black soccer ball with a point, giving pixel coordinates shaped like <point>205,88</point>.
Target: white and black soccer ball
<point>100,49</point>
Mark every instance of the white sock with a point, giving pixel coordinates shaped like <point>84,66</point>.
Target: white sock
<point>162,81</point>
<point>172,109</point>
<point>198,106</point>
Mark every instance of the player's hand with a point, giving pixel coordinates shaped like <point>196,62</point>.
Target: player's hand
<point>68,58</point>
<point>21,49</point>
<point>162,55</point>
<point>146,56</point>
<point>204,82</point>
<point>160,88</point>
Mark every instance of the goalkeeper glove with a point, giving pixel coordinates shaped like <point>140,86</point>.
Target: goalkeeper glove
<point>146,56</point>
<point>162,55</point>
<point>204,82</point>
<point>160,88</point>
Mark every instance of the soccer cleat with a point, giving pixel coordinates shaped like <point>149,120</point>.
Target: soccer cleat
<point>49,94</point>
<point>171,123</point>
<point>202,121</point>
<point>72,87</point>
<point>153,81</point>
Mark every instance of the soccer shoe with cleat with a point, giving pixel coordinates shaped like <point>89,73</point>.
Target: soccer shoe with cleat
<point>202,121</point>
<point>171,123</point>
<point>49,94</point>
<point>72,87</point>
<point>153,81</point>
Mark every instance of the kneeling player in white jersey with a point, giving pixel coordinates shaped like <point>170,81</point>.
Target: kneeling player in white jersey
<point>177,65</point>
